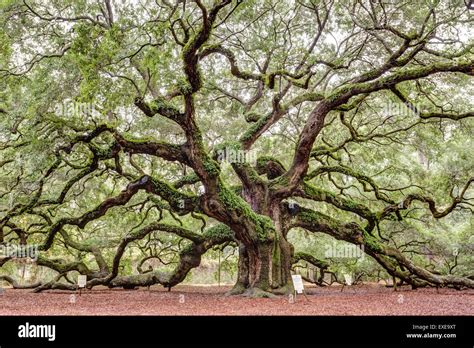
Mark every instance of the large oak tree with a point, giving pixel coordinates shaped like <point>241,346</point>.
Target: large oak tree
<point>231,123</point>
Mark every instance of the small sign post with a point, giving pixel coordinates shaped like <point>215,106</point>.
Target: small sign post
<point>347,281</point>
<point>81,282</point>
<point>298,285</point>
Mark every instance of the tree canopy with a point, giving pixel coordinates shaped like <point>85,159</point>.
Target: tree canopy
<point>159,130</point>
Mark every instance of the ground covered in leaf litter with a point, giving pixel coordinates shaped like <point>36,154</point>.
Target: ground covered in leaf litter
<point>211,300</point>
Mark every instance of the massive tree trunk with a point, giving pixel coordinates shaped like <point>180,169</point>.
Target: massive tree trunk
<point>265,266</point>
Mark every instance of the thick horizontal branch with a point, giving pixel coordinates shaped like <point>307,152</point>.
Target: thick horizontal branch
<point>179,201</point>
<point>390,258</point>
<point>311,192</point>
<point>310,259</point>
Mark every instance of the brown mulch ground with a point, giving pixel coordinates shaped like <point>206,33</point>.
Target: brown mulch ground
<point>211,300</point>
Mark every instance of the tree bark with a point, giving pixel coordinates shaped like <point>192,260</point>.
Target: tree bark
<point>264,268</point>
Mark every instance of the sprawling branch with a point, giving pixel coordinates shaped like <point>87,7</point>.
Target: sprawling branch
<point>405,204</point>
<point>341,95</point>
<point>179,201</point>
<point>388,257</point>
